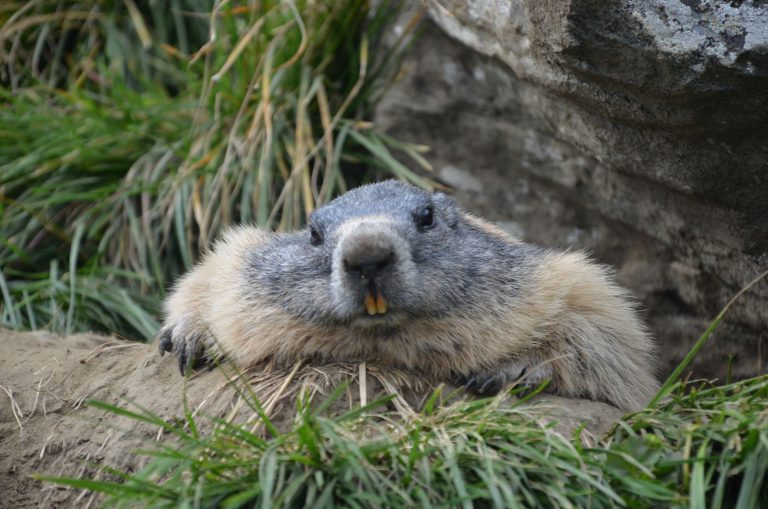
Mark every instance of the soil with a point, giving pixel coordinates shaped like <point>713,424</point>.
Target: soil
<point>47,427</point>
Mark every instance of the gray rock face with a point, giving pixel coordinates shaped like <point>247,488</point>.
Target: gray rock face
<point>637,130</point>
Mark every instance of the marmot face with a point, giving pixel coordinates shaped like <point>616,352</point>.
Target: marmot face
<point>372,259</point>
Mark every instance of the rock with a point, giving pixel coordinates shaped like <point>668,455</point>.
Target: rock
<point>637,130</point>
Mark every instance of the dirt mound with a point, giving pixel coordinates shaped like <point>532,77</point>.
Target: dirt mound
<point>46,427</point>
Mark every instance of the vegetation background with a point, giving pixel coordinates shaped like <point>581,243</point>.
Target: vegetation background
<point>133,131</point>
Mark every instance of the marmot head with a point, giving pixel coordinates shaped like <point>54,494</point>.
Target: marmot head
<point>385,243</point>
<point>375,258</point>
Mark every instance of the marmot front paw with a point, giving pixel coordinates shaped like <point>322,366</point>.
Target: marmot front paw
<point>490,383</point>
<point>186,340</point>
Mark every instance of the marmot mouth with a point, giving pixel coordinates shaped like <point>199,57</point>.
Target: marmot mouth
<point>374,301</point>
<point>377,325</point>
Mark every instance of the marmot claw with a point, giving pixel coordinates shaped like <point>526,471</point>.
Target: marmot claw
<point>186,344</point>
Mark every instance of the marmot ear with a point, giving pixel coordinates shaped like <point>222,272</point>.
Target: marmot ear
<point>447,207</point>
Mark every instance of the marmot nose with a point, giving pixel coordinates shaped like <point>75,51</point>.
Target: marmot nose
<point>368,263</point>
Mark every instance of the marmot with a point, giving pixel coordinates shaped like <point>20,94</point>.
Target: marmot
<point>397,276</point>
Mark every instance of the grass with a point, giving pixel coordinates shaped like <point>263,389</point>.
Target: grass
<point>704,446</point>
<point>132,132</point>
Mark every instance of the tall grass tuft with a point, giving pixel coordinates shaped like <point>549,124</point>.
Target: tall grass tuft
<point>132,132</point>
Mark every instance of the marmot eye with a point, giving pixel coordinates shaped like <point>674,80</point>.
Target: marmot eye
<point>425,218</point>
<point>314,236</point>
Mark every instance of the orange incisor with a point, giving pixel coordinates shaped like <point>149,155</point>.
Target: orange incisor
<point>376,304</point>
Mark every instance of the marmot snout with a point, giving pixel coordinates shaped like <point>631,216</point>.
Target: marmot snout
<point>391,274</point>
<point>371,263</point>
